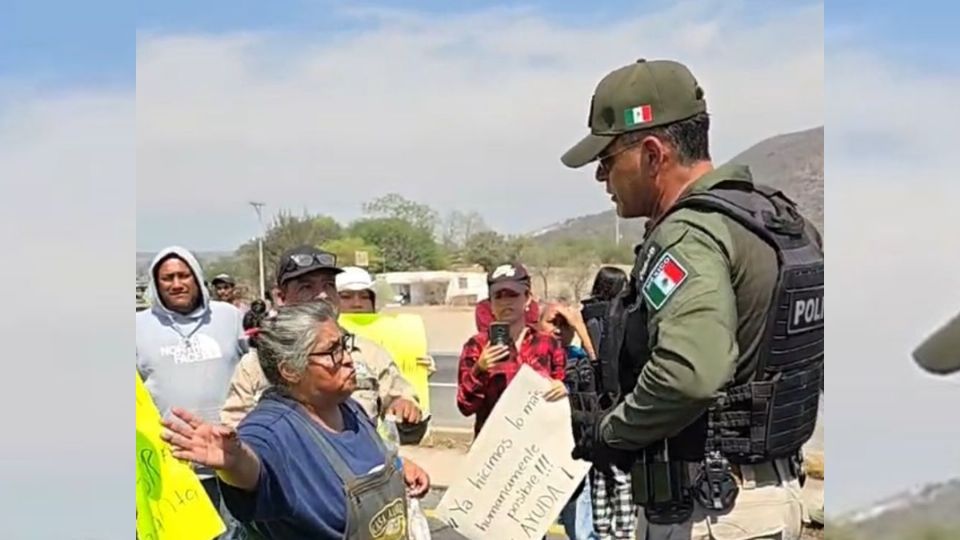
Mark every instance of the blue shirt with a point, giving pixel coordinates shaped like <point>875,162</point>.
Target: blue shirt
<point>574,354</point>
<point>298,495</point>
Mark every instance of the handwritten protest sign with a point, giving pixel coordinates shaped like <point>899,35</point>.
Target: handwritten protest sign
<point>518,473</point>
<point>171,502</point>
<point>404,337</point>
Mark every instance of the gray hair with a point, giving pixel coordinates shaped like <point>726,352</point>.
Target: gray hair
<point>289,337</point>
<point>690,138</point>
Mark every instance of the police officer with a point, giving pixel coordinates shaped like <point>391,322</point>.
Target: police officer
<point>721,324</point>
<point>940,352</point>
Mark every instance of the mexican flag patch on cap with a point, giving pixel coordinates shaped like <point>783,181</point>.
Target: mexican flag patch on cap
<point>638,115</point>
<point>666,278</point>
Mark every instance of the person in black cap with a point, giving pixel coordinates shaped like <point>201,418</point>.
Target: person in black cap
<point>307,274</point>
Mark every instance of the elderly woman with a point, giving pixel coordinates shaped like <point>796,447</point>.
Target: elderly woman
<point>306,462</point>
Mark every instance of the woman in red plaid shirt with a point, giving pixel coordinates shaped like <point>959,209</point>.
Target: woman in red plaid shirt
<point>486,370</point>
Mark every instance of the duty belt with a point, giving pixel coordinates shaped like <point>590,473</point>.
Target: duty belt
<point>780,470</point>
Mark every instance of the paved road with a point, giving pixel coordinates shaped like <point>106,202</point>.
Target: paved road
<point>443,394</point>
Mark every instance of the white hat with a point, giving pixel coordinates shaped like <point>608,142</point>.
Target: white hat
<point>354,279</point>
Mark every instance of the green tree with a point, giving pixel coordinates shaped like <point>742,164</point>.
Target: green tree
<point>541,259</point>
<point>459,227</point>
<point>515,247</point>
<point>285,232</point>
<point>608,252</point>
<point>402,246</point>
<point>395,206</point>
<point>579,260</point>
<point>346,248</point>
<point>487,249</point>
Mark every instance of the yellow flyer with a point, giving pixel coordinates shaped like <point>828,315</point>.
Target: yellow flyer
<point>404,337</point>
<point>171,502</point>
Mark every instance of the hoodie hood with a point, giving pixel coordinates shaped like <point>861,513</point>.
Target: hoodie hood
<point>154,290</point>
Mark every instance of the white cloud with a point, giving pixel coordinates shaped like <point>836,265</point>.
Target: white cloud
<point>467,111</point>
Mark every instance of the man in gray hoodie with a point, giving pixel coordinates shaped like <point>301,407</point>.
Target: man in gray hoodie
<point>188,346</point>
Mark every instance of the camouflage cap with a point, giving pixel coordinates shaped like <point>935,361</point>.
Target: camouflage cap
<point>642,95</point>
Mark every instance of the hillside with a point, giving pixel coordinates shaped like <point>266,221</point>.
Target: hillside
<point>792,163</point>
<point>902,515</point>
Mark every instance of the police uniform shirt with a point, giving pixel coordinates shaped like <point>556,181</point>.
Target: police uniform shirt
<point>707,288</point>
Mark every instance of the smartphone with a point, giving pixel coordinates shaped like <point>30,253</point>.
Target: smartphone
<point>499,333</point>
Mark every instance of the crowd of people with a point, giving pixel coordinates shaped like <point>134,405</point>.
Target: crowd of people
<point>693,381</point>
<point>278,408</point>
<point>279,418</point>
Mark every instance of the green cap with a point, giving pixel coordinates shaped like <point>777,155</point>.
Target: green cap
<point>642,95</point>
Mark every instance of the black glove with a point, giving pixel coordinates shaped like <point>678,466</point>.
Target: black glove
<point>586,435</point>
<point>590,446</point>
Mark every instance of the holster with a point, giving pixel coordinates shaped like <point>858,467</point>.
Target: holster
<point>662,486</point>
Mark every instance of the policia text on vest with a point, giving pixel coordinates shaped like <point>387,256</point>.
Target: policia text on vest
<point>806,309</point>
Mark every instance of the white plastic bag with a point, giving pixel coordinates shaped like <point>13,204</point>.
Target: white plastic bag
<point>417,524</point>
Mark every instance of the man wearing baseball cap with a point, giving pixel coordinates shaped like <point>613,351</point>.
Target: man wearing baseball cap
<point>308,274</point>
<point>721,258</point>
<point>487,368</point>
<point>225,288</point>
<point>940,352</point>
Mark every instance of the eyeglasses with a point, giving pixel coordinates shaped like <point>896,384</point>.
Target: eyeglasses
<point>602,160</point>
<point>304,260</point>
<point>337,353</point>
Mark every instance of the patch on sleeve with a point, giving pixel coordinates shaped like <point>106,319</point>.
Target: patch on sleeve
<point>642,263</point>
<point>667,276</point>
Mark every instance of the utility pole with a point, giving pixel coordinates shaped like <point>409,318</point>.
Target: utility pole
<point>258,208</point>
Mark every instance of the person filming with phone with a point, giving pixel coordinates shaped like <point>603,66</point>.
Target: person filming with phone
<point>491,359</point>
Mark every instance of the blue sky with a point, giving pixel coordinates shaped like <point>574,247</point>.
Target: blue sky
<point>62,43</point>
<point>921,35</point>
<point>65,42</point>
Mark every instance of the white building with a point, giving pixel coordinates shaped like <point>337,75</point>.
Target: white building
<point>437,288</point>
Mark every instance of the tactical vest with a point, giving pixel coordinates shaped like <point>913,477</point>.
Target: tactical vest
<point>775,413</point>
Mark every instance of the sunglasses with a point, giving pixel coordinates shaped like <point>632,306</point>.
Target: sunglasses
<point>306,260</point>
<point>605,161</point>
